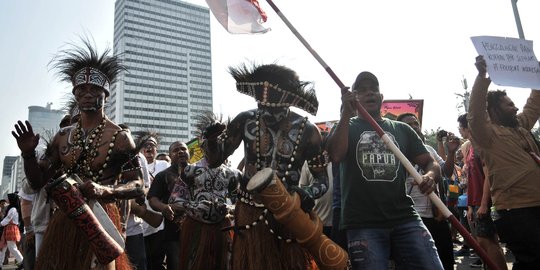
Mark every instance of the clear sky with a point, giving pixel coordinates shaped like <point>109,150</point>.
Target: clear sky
<point>420,48</point>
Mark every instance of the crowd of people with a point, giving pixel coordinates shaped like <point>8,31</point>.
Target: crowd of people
<point>101,196</point>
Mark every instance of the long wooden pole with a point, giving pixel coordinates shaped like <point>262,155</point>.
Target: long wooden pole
<point>390,144</point>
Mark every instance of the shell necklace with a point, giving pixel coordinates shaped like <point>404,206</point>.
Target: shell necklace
<point>258,144</point>
<point>89,146</point>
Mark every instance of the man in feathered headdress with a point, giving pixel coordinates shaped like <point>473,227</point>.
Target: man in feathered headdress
<point>278,138</point>
<point>204,245</point>
<point>86,160</point>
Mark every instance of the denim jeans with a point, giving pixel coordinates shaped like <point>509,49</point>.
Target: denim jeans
<point>409,244</point>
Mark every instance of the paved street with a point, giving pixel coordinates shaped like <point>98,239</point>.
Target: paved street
<point>462,263</point>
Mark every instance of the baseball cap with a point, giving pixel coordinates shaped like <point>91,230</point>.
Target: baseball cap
<point>366,75</point>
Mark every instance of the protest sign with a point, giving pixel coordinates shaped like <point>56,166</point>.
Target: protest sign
<point>510,61</point>
<point>391,109</point>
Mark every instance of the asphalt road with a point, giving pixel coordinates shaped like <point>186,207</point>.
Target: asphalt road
<point>462,262</point>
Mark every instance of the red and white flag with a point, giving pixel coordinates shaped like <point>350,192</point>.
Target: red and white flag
<point>239,16</point>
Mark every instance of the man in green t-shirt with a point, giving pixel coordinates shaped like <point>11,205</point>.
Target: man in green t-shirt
<point>377,214</point>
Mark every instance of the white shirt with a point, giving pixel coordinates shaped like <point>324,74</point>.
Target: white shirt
<point>323,205</point>
<point>422,203</point>
<point>12,216</point>
<point>153,169</point>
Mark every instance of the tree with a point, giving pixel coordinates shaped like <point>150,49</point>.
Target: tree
<point>463,99</point>
<point>536,133</point>
<point>431,137</point>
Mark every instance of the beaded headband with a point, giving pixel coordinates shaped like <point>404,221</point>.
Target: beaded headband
<point>150,140</point>
<point>90,75</point>
<point>143,136</point>
<point>271,95</point>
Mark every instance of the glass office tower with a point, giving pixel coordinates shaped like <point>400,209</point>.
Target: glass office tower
<point>165,45</point>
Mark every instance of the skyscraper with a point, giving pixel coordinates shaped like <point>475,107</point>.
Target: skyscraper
<point>45,121</point>
<point>6,176</point>
<point>165,45</point>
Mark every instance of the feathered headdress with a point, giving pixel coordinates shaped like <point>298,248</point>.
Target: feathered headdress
<point>275,86</point>
<point>141,137</point>
<point>70,105</point>
<point>83,65</point>
<point>208,125</point>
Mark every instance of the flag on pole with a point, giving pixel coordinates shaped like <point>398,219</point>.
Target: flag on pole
<point>195,151</point>
<point>239,16</point>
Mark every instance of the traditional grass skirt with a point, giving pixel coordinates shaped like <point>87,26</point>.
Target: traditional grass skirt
<point>257,248</point>
<point>65,247</point>
<point>204,246</point>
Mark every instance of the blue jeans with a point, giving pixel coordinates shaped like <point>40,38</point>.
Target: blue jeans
<point>409,244</point>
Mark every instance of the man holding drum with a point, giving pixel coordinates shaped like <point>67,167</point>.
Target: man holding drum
<point>86,162</point>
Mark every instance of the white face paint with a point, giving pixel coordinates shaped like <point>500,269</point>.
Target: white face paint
<point>90,98</point>
<point>274,115</point>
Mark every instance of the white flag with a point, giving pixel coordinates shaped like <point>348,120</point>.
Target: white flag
<point>239,16</point>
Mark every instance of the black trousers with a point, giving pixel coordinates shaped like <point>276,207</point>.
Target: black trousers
<point>337,235</point>
<point>520,229</point>
<point>440,232</point>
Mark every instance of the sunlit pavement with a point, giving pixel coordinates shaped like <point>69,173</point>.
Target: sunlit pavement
<point>464,262</point>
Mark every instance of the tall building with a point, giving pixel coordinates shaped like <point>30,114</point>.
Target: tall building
<point>45,120</point>
<point>17,175</point>
<point>6,176</point>
<point>165,45</point>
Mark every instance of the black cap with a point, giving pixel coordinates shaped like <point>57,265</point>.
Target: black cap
<point>365,75</point>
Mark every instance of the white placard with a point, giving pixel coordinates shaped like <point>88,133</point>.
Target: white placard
<point>510,61</point>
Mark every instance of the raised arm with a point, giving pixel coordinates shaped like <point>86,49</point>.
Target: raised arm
<point>441,151</point>
<point>338,140</point>
<point>453,144</point>
<point>232,136</point>
<point>478,117</point>
<point>531,110</point>
<point>38,172</point>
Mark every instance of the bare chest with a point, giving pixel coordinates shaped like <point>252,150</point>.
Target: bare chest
<point>88,155</point>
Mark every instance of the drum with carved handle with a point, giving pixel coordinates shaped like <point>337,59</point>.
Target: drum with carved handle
<point>70,201</point>
<point>306,228</point>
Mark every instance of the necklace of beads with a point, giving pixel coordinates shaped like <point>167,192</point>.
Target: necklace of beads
<point>258,144</point>
<point>262,217</point>
<point>246,198</point>
<point>89,146</point>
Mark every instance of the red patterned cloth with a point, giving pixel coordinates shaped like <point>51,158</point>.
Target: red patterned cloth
<point>12,233</point>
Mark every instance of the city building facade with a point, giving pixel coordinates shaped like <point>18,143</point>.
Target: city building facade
<point>45,122</point>
<point>5,186</point>
<point>165,45</point>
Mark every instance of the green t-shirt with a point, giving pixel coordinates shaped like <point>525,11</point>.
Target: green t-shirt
<point>373,182</point>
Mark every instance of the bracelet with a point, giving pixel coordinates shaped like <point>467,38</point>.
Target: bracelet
<point>29,155</point>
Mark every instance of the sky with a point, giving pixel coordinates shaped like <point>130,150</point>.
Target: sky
<point>419,49</point>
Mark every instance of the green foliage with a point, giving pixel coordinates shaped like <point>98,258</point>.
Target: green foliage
<point>536,133</point>
<point>431,137</point>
